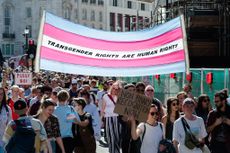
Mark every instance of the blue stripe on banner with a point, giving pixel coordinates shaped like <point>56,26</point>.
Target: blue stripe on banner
<point>112,36</point>
<point>99,71</point>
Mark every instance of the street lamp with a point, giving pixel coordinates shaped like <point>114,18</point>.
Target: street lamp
<point>26,33</point>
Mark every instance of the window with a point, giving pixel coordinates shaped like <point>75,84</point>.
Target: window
<point>7,49</point>
<point>28,12</point>
<point>84,14</point>
<point>76,14</point>
<point>100,17</point>
<point>7,19</point>
<point>92,1</point>
<point>114,2</point>
<point>101,28</point>
<point>119,22</point>
<point>92,15</point>
<point>129,4</point>
<point>142,6</point>
<point>112,21</point>
<point>67,13</point>
<point>100,2</point>
<point>84,1</point>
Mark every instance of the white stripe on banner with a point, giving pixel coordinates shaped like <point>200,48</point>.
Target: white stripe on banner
<point>105,54</point>
<point>100,71</point>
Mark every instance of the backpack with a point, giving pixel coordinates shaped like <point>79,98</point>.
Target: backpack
<point>23,140</point>
<point>166,145</point>
<point>76,130</point>
<point>135,145</point>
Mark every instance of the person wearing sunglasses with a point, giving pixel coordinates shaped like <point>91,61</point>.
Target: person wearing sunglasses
<point>149,92</point>
<point>172,115</point>
<point>151,132</point>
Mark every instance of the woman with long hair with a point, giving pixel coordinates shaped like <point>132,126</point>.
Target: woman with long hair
<point>113,126</point>
<point>51,125</point>
<point>172,115</point>
<point>203,107</point>
<point>5,116</point>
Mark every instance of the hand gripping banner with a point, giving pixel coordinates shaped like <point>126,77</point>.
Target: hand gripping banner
<point>67,47</point>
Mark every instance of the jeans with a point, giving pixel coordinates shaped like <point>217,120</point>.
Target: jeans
<point>53,145</point>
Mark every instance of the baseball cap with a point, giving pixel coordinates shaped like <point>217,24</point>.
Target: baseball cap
<point>20,107</point>
<point>74,81</point>
<point>188,101</point>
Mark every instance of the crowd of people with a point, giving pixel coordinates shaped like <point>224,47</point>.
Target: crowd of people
<point>67,113</point>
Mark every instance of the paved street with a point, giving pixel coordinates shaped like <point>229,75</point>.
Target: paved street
<point>102,148</point>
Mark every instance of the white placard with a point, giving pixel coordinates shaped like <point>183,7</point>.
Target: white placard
<point>24,78</point>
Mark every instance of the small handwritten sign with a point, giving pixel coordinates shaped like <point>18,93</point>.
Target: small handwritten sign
<point>23,78</point>
<point>133,103</point>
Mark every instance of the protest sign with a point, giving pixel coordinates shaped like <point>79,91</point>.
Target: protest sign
<point>64,46</point>
<point>133,103</point>
<point>23,78</point>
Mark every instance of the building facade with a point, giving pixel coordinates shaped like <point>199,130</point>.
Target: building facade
<point>109,15</point>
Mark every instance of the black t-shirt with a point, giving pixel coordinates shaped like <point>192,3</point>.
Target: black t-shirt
<point>220,133</point>
<point>77,130</point>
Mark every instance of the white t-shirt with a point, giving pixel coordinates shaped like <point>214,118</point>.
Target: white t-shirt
<point>197,128</point>
<point>109,108</point>
<point>153,136</point>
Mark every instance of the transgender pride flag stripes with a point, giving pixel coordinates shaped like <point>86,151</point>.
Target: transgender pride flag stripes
<point>71,48</point>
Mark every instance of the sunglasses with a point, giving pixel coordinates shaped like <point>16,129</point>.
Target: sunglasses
<point>175,104</point>
<point>154,113</point>
<point>217,101</point>
<point>206,100</point>
<point>149,90</point>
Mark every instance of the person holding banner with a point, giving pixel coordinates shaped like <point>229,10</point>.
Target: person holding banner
<point>113,126</point>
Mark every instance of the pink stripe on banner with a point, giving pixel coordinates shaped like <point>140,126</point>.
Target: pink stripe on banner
<point>87,42</point>
<point>50,54</point>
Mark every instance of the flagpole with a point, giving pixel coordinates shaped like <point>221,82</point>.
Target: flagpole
<point>185,44</point>
<point>40,37</point>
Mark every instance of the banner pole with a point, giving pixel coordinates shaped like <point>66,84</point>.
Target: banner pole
<point>185,44</point>
<point>40,37</point>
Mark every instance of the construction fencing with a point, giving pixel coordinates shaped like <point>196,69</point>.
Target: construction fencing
<point>166,86</point>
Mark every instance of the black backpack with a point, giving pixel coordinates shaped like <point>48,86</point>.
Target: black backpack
<point>135,145</point>
<point>23,140</point>
<point>166,144</point>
